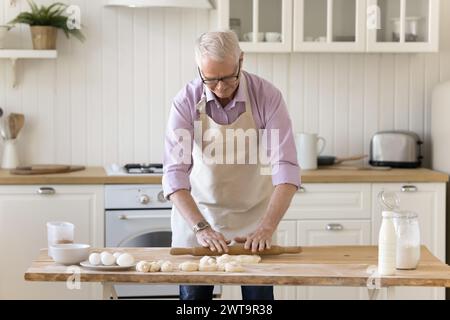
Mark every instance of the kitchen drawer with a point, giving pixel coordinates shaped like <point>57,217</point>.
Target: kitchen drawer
<point>331,201</point>
<point>333,232</point>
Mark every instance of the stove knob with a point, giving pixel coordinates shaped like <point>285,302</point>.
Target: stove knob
<point>161,197</point>
<point>144,199</point>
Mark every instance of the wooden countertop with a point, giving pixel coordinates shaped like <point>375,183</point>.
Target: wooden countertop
<point>97,175</point>
<point>329,266</point>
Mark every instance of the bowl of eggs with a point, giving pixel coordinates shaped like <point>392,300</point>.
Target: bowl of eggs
<point>70,253</point>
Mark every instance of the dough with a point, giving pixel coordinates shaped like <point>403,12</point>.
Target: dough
<point>167,266</point>
<point>247,259</point>
<point>224,259</point>
<point>154,267</point>
<point>207,260</point>
<point>143,266</point>
<point>234,267</point>
<point>208,267</point>
<point>189,266</point>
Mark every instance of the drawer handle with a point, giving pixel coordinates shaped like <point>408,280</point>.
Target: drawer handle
<point>46,191</point>
<point>301,190</point>
<point>335,227</point>
<point>409,189</point>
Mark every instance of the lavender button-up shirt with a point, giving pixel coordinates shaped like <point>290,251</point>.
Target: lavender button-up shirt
<point>269,112</point>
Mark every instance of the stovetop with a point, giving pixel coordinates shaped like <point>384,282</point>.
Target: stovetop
<point>134,169</point>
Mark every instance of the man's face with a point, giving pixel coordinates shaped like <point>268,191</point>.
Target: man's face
<point>226,70</point>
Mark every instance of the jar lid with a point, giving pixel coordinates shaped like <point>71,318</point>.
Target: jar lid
<point>388,200</point>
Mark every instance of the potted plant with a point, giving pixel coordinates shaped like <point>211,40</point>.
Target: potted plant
<point>44,22</point>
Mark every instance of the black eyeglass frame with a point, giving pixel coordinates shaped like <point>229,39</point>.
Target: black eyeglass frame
<point>214,82</point>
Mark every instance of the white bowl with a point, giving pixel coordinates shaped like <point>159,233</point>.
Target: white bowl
<point>70,253</point>
<point>249,36</point>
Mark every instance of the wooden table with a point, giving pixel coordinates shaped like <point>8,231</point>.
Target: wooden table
<point>353,266</point>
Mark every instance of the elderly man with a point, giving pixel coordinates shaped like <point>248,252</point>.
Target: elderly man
<point>219,202</point>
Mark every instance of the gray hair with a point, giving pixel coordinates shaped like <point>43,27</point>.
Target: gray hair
<point>217,45</point>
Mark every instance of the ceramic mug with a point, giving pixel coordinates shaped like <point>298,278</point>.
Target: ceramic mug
<point>308,149</point>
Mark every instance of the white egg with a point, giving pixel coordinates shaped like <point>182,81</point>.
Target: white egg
<point>125,260</point>
<point>117,255</point>
<point>95,259</point>
<point>107,258</point>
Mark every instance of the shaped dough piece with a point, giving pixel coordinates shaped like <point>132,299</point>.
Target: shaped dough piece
<point>233,267</point>
<point>143,266</point>
<point>224,259</point>
<point>247,259</point>
<point>154,267</point>
<point>167,266</point>
<point>207,260</point>
<point>208,267</point>
<point>189,266</point>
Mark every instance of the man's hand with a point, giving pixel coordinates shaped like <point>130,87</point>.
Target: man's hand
<point>258,240</point>
<point>212,239</point>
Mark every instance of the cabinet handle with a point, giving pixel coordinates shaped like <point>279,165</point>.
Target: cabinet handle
<point>409,189</point>
<point>46,191</point>
<point>335,227</point>
<point>301,190</point>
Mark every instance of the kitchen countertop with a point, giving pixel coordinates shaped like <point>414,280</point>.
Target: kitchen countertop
<point>329,266</point>
<point>97,175</point>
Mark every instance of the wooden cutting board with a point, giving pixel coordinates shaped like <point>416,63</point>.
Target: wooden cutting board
<point>45,169</point>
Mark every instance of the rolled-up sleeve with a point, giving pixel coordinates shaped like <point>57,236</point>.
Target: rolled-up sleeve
<point>285,168</point>
<point>178,160</point>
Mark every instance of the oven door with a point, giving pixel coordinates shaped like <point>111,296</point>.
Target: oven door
<point>141,228</point>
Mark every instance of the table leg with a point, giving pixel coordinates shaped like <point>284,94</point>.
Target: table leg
<point>108,291</point>
<point>373,293</point>
<point>390,293</point>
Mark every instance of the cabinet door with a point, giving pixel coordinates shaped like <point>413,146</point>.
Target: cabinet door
<point>331,201</point>
<point>23,217</point>
<point>269,20</point>
<point>403,25</point>
<point>428,201</point>
<point>332,233</point>
<point>286,236</point>
<point>330,25</point>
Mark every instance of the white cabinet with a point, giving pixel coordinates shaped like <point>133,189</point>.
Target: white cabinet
<point>428,201</point>
<point>349,214</point>
<point>269,20</point>
<point>332,233</point>
<point>286,236</point>
<point>403,25</point>
<point>330,25</point>
<point>24,212</point>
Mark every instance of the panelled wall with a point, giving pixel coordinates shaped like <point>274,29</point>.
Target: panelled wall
<point>107,100</point>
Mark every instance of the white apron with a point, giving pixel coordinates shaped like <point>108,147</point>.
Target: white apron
<point>231,197</point>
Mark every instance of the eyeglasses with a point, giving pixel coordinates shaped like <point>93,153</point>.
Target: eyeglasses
<point>228,80</point>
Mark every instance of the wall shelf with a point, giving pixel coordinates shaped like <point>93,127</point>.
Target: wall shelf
<point>16,54</point>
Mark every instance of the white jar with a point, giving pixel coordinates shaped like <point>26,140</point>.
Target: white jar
<point>408,240</point>
<point>387,245</point>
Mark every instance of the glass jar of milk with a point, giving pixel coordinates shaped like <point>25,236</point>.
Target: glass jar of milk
<point>408,239</point>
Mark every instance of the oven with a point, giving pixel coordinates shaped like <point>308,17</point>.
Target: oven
<point>139,216</point>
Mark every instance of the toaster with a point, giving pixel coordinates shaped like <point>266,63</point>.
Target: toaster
<point>396,149</point>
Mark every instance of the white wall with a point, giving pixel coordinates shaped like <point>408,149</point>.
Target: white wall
<point>107,100</point>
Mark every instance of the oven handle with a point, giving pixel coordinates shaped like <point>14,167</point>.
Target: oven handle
<point>141,217</point>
